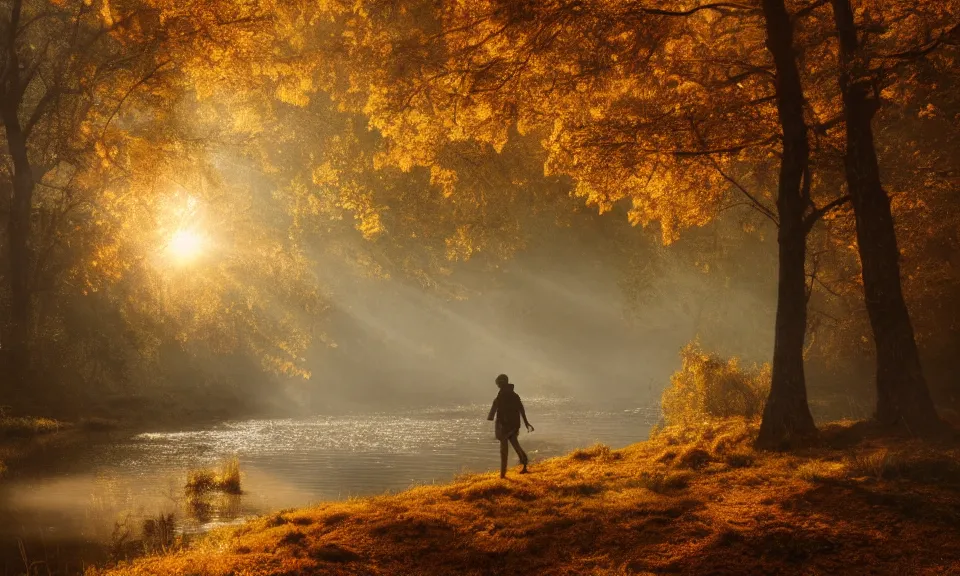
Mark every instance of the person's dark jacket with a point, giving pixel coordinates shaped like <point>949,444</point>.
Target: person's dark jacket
<point>509,411</point>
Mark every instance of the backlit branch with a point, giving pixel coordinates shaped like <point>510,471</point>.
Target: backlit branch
<point>806,10</point>
<point>722,7</point>
<point>754,201</point>
<point>818,213</point>
<point>950,36</point>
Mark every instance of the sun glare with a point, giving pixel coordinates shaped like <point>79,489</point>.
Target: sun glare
<point>185,245</point>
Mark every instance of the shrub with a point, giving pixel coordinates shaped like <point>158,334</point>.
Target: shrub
<point>24,427</point>
<point>879,464</point>
<point>708,387</point>
<point>159,533</point>
<point>227,479</point>
<point>200,481</point>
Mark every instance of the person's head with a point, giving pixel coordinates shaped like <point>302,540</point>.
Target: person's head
<point>502,380</point>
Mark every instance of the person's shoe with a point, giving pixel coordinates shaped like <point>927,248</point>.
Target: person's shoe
<point>524,470</point>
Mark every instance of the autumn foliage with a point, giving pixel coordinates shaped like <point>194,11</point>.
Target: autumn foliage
<point>708,388</point>
<point>439,133</point>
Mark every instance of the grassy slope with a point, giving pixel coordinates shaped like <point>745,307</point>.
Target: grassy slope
<point>685,503</point>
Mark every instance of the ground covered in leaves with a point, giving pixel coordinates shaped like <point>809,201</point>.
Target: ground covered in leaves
<point>690,502</point>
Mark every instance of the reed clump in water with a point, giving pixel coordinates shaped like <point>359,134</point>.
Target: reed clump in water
<point>226,479</point>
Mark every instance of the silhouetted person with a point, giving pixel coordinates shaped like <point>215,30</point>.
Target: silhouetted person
<point>509,410</point>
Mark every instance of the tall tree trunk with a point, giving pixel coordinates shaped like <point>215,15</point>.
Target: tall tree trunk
<point>6,197</point>
<point>786,416</point>
<point>902,394</point>
<point>18,230</point>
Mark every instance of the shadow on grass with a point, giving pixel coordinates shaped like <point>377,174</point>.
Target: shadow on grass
<point>833,528</point>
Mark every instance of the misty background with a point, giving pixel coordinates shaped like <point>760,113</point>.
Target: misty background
<point>560,319</point>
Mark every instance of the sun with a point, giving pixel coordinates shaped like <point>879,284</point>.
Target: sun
<point>185,245</point>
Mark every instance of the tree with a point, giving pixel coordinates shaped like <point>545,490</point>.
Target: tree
<point>65,76</point>
<point>667,109</point>
<point>109,156</point>
<point>786,413</point>
<point>902,393</point>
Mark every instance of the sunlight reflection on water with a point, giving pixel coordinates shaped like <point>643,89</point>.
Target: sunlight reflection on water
<point>295,462</point>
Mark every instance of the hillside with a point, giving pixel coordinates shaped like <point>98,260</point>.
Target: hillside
<point>691,503</point>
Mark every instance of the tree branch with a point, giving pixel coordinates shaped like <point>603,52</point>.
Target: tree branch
<point>45,101</point>
<point>819,213</point>
<point>726,150</point>
<point>921,51</point>
<point>721,7</point>
<point>716,166</point>
<point>803,12</point>
<point>824,127</point>
<point>143,80</point>
<point>15,11</point>
<point>828,289</point>
<point>11,64</point>
<point>754,201</point>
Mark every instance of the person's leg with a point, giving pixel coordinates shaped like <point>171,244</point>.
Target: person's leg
<point>520,453</point>
<point>504,451</point>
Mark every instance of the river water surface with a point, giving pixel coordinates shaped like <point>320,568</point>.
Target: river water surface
<point>95,490</point>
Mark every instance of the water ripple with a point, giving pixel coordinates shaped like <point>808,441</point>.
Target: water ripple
<point>294,462</point>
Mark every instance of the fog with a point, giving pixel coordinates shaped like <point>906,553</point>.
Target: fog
<point>556,318</point>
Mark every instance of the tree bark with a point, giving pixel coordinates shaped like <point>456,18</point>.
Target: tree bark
<point>902,394</point>
<point>6,197</point>
<point>18,226</point>
<point>786,416</point>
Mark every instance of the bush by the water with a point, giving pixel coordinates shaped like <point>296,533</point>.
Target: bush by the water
<point>204,480</point>
<point>159,533</point>
<point>708,387</point>
<point>25,427</point>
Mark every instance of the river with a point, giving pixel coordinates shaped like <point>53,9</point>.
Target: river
<point>92,491</point>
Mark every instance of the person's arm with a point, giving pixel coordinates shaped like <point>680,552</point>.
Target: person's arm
<point>523,414</point>
<point>493,410</point>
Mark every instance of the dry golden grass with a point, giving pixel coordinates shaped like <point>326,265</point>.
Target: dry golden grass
<point>692,501</point>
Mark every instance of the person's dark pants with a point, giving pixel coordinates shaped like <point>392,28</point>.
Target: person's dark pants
<point>505,449</point>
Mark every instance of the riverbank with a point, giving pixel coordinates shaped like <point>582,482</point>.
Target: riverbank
<point>23,436</point>
<point>685,502</point>
<point>19,435</point>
